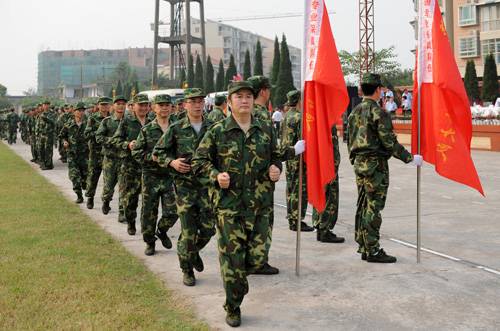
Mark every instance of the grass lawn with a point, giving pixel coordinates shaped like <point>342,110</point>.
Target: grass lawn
<point>59,270</point>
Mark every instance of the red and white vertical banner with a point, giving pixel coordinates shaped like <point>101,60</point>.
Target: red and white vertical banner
<point>425,47</point>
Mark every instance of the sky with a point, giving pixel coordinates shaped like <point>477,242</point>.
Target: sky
<point>31,26</point>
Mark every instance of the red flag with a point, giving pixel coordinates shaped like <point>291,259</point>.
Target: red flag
<point>445,115</point>
<point>325,100</point>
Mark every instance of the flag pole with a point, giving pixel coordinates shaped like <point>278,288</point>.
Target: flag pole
<point>301,159</point>
<point>419,170</point>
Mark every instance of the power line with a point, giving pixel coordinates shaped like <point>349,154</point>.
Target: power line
<point>259,17</point>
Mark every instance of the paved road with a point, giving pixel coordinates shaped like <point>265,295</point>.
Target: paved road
<point>338,291</point>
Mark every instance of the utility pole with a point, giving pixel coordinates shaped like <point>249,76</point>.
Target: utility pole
<point>366,36</point>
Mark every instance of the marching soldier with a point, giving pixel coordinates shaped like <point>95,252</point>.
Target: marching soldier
<point>217,114</point>
<point>175,150</point>
<point>371,143</point>
<point>12,122</point>
<point>157,181</point>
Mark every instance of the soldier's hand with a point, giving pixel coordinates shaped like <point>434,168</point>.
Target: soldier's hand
<point>65,144</point>
<point>300,147</point>
<point>224,180</point>
<point>131,145</point>
<point>274,173</point>
<point>180,166</point>
<point>155,158</point>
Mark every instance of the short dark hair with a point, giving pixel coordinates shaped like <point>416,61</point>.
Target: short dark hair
<point>368,89</point>
<point>220,102</point>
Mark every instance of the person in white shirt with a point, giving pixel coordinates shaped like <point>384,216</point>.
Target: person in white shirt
<point>391,106</point>
<point>406,104</point>
<point>277,118</point>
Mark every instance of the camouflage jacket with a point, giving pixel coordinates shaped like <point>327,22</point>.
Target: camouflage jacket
<point>74,135</point>
<point>47,125</point>
<point>246,157</point>
<point>143,150</point>
<point>371,133</point>
<point>262,114</point>
<point>12,120</point>
<point>180,141</point>
<point>216,115</point>
<point>93,123</point>
<point>127,131</point>
<point>105,132</point>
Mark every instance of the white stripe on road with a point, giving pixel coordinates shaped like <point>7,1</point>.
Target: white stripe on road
<point>425,250</point>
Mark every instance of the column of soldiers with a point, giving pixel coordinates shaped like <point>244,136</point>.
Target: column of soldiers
<point>216,172</point>
<point>9,122</point>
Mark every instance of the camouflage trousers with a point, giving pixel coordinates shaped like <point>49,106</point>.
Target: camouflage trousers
<point>292,193</point>
<point>130,190</point>
<point>243,245</point>
<point>112,167</point>
<point>46,151</point>
<point>154,189</point>
<point>328,218</point>
<point>77,169</point>
<point>33,147</point>
<point>372,180</point>
<point>197,222</point>
<point>62,151</point>
<point>94,172</point>
<point>12,136</point>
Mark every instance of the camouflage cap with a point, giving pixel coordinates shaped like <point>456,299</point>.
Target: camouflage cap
<point>372,79</point>
<point>259,82</point>
<point>104,100</point>
<point>141,98</point>
<point>119,98</point>
<point>80,105</point>
<point>194,92</point>
<point>179,101</point>
<point>293,97</point>
<point>219,99</point>
<point>162,98</point>
<point>46,102</point>
<point>238,86</point>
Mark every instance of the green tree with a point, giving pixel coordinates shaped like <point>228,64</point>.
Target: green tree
<point>385,62</point>
<point>198,74</point>
<point>247,66</point>
<point>4,103</point>
<point>136,87</point>
<point>258,69</point>
<point>490,80</point>
<point>119,89</point>
<point>219,83</point>
<point>127,90</point>
<point>3,91</point>
<point>121,73</point>
<point>190,71</point>
<point>400,77</point>
<point>471,81</point>
<point>230,73</point>
<point>209,76</point>
<point>285,77</point>
<point>275,70</point>
<point>182,78</point>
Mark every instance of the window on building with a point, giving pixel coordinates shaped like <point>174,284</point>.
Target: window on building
<point>467,15</point>
<point>490,17</point>
<point>469,47</point>
<point>491,46</point>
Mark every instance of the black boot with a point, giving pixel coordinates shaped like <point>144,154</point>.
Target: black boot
<point>188,278</point>
<point>165,240</point>
<point>131,229</point>
<point>150,249</point>
<point>381,257</point>
<point>233,318</point>
<point>266,269</point>
<point>105,207</point>
<point>90,202</point>
<point>303,227</point>
<point>326,236</point>
<point>79,197</point>
<point>198,263</point>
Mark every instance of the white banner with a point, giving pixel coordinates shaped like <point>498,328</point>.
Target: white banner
<point>425,48</point>
<point>313,19</point>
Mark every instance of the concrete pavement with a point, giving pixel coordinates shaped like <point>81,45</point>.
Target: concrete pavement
<point>338,291</point>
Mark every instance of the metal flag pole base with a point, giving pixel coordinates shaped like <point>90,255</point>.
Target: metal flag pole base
<point>298,226</point>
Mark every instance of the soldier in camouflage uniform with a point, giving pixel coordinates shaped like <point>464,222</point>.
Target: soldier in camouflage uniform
<point>371,143</point>
<point>72,136</point>
<point>239,155</point>
<point>217,114</point>
<point>292,128</point>
<point>12,123</point>
<point>111,163</point>
<point>175,150</point>
<point>325,222</point>
<point>23,125</point>
<point>46,130</point>
<point>124,140</point>
<point>157,182</point>
<point>95,149</point>
<point>61,121</point>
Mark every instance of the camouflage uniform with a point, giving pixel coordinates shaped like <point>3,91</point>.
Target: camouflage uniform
<point>193,205</point>
<point>217,114</point>
<point>111,163</point>
<point>77,153</point>
<point>328,218</point>
<point>157,185</point>
<point>95,151</point>
<point>244,209</point>
<point>47,128</point>
<point>371,143</point>
<point>12,121</point>
<point>127,131</point>
<point>61,121</point>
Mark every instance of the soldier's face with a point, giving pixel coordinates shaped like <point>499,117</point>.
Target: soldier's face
<point>141,109</point>
<point>242,102</point>
<point>79,114</point>
<point>194,106</point>
<point>104,108</point>
<point>119,106</point>
<point>162,110</point>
